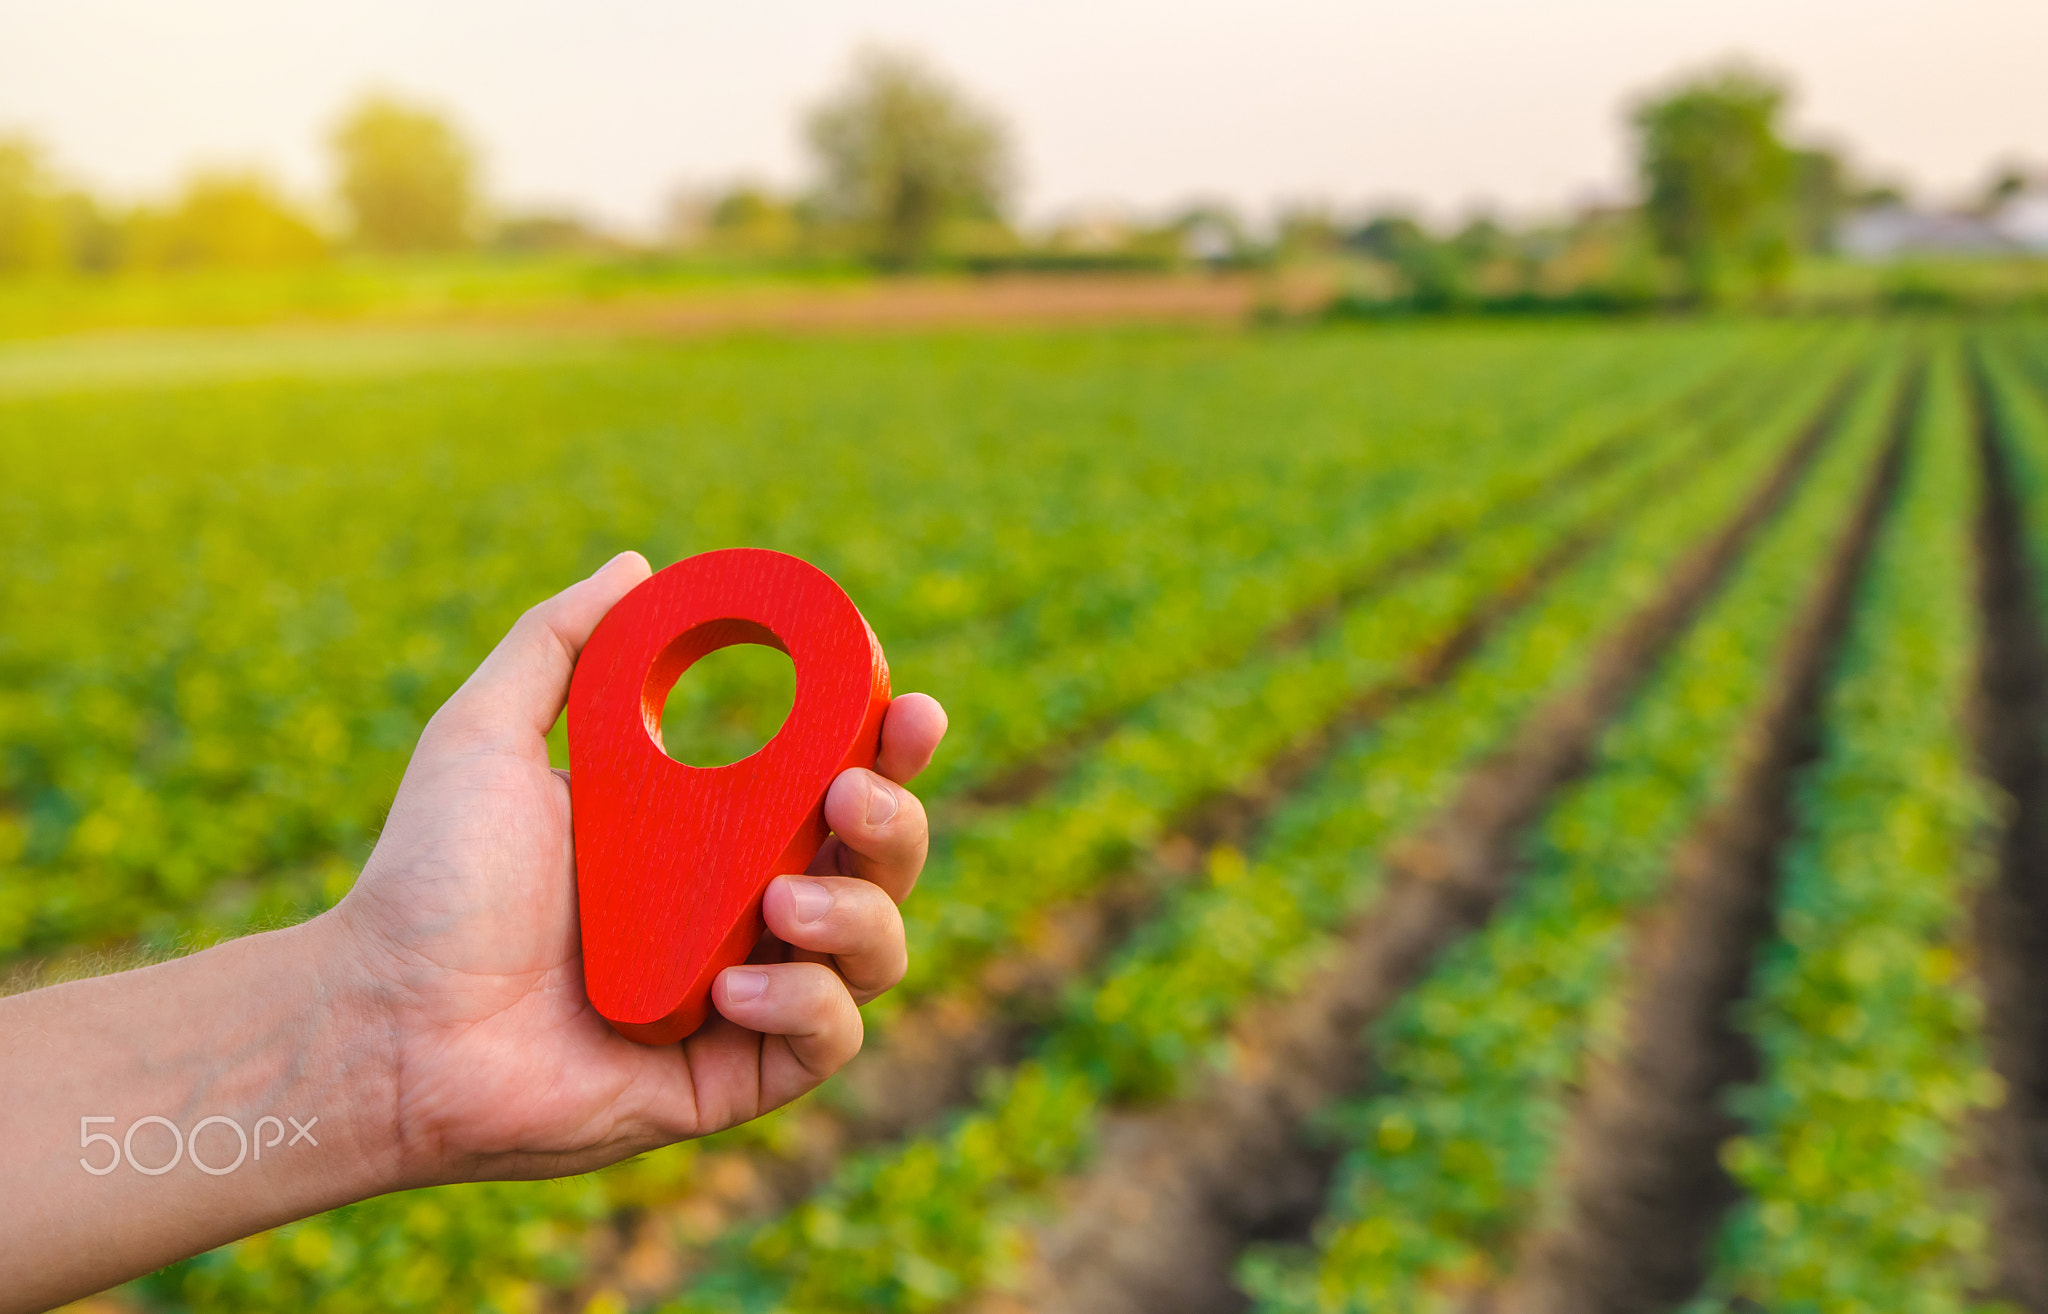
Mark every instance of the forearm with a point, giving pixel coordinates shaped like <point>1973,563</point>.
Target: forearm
<point>265,1058</point>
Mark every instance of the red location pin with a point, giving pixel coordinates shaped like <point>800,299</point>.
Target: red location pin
<point>672,860</point>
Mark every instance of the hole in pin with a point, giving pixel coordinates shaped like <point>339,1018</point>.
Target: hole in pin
<point>719,693</point>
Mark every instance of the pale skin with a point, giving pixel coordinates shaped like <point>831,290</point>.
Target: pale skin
<point>434,1022</point>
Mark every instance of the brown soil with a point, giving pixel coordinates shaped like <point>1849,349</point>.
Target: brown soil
<point>1178,1190</point>
<point>1027,779</point>
<point>928,1060</point>
<point>908,304</point>
<point>1644,1187</point>
<point>2011,922</point>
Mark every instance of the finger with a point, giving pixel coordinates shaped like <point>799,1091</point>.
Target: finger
<point>804,1004</point>
<point>852,921</point>
<point>879,833</point>
<point>522,684</point>
<point>911,731</point>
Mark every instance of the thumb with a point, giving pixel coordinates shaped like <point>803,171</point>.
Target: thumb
<point>519,689</point>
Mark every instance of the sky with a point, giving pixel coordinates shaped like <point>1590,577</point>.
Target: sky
<point>609,106</point>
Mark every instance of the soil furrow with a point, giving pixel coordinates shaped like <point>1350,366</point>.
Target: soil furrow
<point>2011,917</point>
<point>1641,1173</point>
<point>1178,1191</point>
<point>927,1061</point>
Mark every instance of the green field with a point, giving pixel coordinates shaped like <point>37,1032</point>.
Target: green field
<point>1360,738</point>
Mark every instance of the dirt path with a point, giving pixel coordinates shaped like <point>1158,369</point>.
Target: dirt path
<point>1178,1191</point>
<point>2011,921</point>
<point>1641,1171</point>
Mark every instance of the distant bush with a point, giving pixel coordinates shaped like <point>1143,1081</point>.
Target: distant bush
<point>233,220</point>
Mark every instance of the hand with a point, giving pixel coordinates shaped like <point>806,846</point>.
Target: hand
<point>431,1027</point>
<point>464,929</point>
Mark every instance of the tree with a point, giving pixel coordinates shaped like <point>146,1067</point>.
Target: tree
<point>407,177</point>
<point>541,232</point>
<point>1820,192</point>
<point>1483,241</point>
<point>1211,232</point>
<point>1307,230</point>
<point>47,226</point>
<point>1432,272</point>
<point>1716,178</point>
<point>901,153</point>
<point>237,219</point>
<point>95,236</point>
<point>751,220</point>
<point>31,220</point>
<point>2008,181</point>
<point>1389,237</point>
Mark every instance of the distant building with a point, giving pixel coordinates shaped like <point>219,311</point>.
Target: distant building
<point>1885,232</point>
<point>1097,229</point>
<point>2023,220</point>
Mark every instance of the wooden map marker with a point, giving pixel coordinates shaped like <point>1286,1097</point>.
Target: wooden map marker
<point>672,860</point>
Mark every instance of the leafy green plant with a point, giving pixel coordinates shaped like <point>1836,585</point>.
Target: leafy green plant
<point>1447,1163</point>
<point>240,637</point>
<point>1864,1010</point>
<point>927,1224</point>
<point>247,587</point>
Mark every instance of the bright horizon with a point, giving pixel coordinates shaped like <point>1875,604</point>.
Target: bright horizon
<point>611,105</point>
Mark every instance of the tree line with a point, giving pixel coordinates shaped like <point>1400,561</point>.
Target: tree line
<point>406,181</point>
<point>908,169</point>
<point>905,164</point>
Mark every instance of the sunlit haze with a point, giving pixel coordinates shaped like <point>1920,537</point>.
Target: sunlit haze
<point>609,105</point>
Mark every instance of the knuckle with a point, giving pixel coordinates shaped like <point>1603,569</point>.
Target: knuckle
<point>910,819</point>
<point>860,901</point>
<point>813,982</point>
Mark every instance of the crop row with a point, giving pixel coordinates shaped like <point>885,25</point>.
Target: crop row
<point>1198,737</point>
<point>1216,732</point>
<point>1449,1160</point>
<point>1865,1010</point>
<point>931,1222</point>
<point>528,1230</point>
<point>990,881</point>
<point>2016,374</point>
<point>1202,595</point>
<point>241,634</point>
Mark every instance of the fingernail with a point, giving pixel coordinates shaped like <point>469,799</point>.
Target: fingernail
<point>742,986</point>
<point>881,803</point>
<point>811,898</point>
<point>607,565</point>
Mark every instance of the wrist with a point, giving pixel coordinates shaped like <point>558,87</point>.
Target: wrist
<point>351,1058</point>
<point>158,1113</point>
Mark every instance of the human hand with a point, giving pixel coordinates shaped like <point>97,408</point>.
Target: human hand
<point>463,930</point>
<point>433,1026</point>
